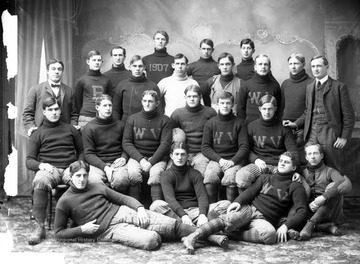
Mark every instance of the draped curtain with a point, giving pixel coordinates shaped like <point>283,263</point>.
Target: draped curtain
<point>39,21</point>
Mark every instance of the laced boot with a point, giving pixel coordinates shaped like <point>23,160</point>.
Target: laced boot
<point>307,231</point>
<point>220,240</point>
<point>38,233</point>
<point>329,228</point>
<point>190,241</point>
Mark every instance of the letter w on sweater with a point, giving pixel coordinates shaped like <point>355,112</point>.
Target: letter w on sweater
<point>218,136</point>
<point>140,131</point>
<point>260,141</point>
<point>281,195</point>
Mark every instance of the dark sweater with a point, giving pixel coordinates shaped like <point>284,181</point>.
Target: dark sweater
<point>102,140</point>
<point>57,143</point>
<point>225,137</point>
<point>87,88</point>
<point>192,120</point>
<point>183,188</point>
<point>128,96</point>
<point>251,92</point>
<point>293,95</point>
<point>202,70</point>
<point>158,65</point>
<point>148,135</point>
<point>245,69</point>
<point>96,201</point>
<point>117,75</point>
<point>269,139</point>
<point>273,195</point>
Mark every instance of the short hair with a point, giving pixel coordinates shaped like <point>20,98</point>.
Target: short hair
<point>207,42</point>
<point>93,53</point>
<point>164,33</point>
<point>152,93</point>
<point>53,61</point>
<point>247,41</point>
<point>118,47</point>
<point>179,145</point>
<point>297,56</point>
<point>226,55</point>
<point>325,60</point>
<point>136,58</point>
<point>78,165</point>
<point>226,95</point>
<point>193,88</point>
<point>49,102</point>
<point>263,55</point>
<point>180,56</point>
<point>291,156</point>
<point>310,143</point>
<point>101,98</point>
<point>267,98</point>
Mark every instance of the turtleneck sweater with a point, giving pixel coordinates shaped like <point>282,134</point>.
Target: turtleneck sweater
<point>117,75</point>
<point>158,65</point>
<point>225,136</point>
<point>87,88</point>
<point>102,140</point>
<point>202,70</point>
<point>245,69</point>
<point>192,120</point>
<point>269,139</point>
<point>293,95</point>
<point>56,143</point>
<point>251,92</point>
<point>128,95</point>
<point>172,90</point>
<point>148,135</point>
<point>96,201</point>
<point>273,195</point>
<point>183,188</point>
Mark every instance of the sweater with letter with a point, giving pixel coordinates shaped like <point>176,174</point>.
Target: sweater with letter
<point>158,65</point>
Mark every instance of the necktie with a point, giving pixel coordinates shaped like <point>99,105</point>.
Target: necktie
<point>55,85</point>
<point>318,85</point>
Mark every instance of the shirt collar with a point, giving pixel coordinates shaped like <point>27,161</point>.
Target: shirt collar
<point>323,80</point>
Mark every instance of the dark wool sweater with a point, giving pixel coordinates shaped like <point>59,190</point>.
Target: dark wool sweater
<point>251,92</point>
<point>183,188</point>
<point>202,70</point>
<point>128,96</point>
<point>158,65</point>
<point>225,137</point>
<point>87,88</point>
<point>117,75</point>
<point>57,143</point>
<point>102,140</point>
<point>192,121</point>
<point>148,135</point>
<point>211,92</point>
<point>269,139</point>
<point>293,95</point>
<point>245,69</point>
<point>273,195</point>
<point>96,201</point>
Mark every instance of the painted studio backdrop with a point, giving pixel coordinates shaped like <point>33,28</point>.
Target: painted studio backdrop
<point>69,29</point>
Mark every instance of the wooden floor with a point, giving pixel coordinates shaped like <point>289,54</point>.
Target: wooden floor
<point>320,249</point>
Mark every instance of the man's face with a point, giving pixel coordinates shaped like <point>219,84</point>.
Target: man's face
<point>225,66</point>
<point>267,111</point>
<point>225,106</point>
<point>295,66</point>
<point>137,68</point>
<point>262,66</point>
<point>285,164</point>
<point>192,98</point>
<point>318,68</point>
<point>206,51</point>
<point>104,109</point>
<point>179,157</point>
<point>55,72</point>
<point>118,57</point>
<point>160,41</point>
<point>246,51</point>
<point>149,104</point>
<point>80,179</point>
<point>52,113</point>
<point>180,67</point>
<point>94,62</point>
<point>313,155</point>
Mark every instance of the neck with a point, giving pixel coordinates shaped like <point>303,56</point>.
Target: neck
<point>180,169</point>
<point>149,115</point>
<point>118,67</point>
<point>194,109</point>
<point>312,168</point>
<point>225,117</point>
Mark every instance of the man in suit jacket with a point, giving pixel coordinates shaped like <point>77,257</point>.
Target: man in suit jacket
<point>33,113</point>
<point>329,117</point>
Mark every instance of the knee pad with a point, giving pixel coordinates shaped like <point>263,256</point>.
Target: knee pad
<point>268,237</point>
<point>210,177</point>
<point>236,220</point>
<point>151,241</point>
<point>245,177</point>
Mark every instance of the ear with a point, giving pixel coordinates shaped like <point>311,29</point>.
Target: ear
<point>97,107</point>
<point>173,65</point>
<point>322,155</point>
<point>87,61</point>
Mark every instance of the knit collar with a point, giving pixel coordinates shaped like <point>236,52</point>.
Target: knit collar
<point>248,61</point>
<point>160,53</point>
<point>261,79</point>
<point>149,115</point>
<point>181,79</point>
<point>206,60</point>
<point>120,68</point>
<point>194,109</point>
<point>74,189</point>
<point>103,121</point>
<point>47,123</point>
<point>227,117</point>
<point>314,168</point>
<point>139,79</point>
<point>227,78</point>
<point>269,123</point>
<point>93,73</point>
<point>179,169</point>
<point>301,76</point>
<point>285,176</point>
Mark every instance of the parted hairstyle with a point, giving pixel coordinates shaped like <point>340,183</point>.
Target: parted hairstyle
<point>49,102</point>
